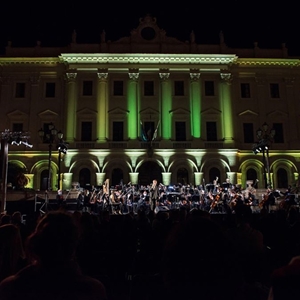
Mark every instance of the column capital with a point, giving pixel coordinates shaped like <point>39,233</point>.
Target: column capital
<point>71,75</point>
<point>164,74</point>
<point>134,74</point>
<point>102,74</point>
<point>195,74</point>
<point>226,76</point>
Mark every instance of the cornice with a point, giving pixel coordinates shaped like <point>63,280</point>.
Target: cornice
<point>147,58</point>
<point>29,60</point>
<point>267,62</point>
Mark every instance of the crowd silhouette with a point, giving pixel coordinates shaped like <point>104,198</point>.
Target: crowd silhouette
<point>175,254</point>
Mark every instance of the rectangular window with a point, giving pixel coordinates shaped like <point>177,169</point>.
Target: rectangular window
<point>118,88</point>
<point>50,90</point>
<point>87,88</point>
<point>279,136</point>
<point>209,88</point>
<point>20,90</point>
<point>17,127</point>
<point>211,131</point>
<point>86,131</point>
<point>180,132</point>
<point>149,130</point>
<point>274,90</point>
<point>148,88</point>
<point>179,88</point>
<point>248,133</point>
<point>245,90</point>
<point>117,131</point>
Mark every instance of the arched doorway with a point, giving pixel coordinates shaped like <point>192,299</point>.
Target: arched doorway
<point>282,179</point>
<point>116,176</point>
<point>214,173</point>
<point>44,180</point>
<point>182,176</point>
<point>84,178</point>
<point>148,171</point>
<point>252,175</point>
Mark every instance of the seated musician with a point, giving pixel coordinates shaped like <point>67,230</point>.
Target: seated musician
<point>115,202</point>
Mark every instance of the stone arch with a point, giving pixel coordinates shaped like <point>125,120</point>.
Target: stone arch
<point>257,166</point>
<point>218,163</point>
<point>80,164</point>
<point>117,163</point>
<point>288,166</point>
<point>148,170</point>
<point>39,168</point>
<point>182,163</point>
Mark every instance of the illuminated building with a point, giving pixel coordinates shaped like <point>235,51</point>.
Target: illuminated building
<point>206,102</point>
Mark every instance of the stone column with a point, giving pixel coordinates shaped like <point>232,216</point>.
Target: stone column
<point>30,184</point>
<point>67,182</point>
<point>102,105</point>
<point>132,102</point>
<point>195,104</point>
<point>293,127</point>
<point>233,177</point>
<point>71,109</point>
<point>166,178</point>
<point>198,178</point>
<point>34,98</point>
<point>165,104</point>
<point>226,106</point>
<point>100,178</point>
<point>134,177</point>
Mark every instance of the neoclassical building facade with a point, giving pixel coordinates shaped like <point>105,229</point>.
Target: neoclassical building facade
<point>150,106</point>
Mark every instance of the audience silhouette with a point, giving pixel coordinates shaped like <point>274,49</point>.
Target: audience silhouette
<point>53,272</point>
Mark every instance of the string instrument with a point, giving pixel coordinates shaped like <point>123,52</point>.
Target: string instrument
<point>106,187</point>
<point>264,201</point>
<point>215,201</point>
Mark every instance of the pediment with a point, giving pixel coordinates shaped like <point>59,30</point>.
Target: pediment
<point>86,112</point>
<point>247,113</point>
<point>118,111</point>
<point>48,115</point>
<point>17,115</point>
<point>211,111</point>
<point>180,110</point>
<point>277,114</point>
<point>149,111</point>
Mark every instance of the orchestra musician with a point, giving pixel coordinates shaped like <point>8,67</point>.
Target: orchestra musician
<point>154,194</point>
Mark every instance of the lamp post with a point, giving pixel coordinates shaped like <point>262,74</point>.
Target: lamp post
<point>49,137</point>
<point>62,148</point>
<point>265,139</point>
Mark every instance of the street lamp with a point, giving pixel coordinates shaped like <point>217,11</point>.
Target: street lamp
<point>49,137</point>
<point>62,148</point>
<point>265,139</point>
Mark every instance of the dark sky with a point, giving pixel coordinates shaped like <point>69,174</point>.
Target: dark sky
<point>242,22</point>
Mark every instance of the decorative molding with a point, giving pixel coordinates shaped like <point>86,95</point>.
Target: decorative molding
<point>267,62</point>
<point>71,75</point>
<point>164,74</point>
<point>194,75</point>
<point>133,74</point>
<point>148,58</point>
<point>226,76</point>
<point>102,76</point>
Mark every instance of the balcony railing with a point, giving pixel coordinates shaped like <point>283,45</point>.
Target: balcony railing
<point>117,145</point>
<point>85,145</point>
<point>182,145</point>
<point>213,145</point>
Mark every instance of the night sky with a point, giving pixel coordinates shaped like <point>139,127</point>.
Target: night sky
<point>242,22</point>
